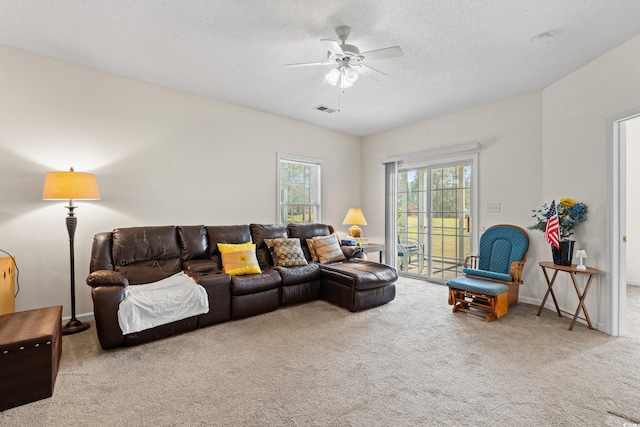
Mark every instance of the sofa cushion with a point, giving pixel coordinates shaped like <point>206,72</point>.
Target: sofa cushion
<point>193,242</point>
<point>286,252</point>
<point>260,232</point>
<point>239,259</point>
<point>146,254</point>
<point>298,275</point>
<point>328,248</point>
<point>359,274</point>
<point>255,283</point>
<point>308,231</point>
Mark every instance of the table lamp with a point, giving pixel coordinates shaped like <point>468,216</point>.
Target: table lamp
<point>71,186</point>
<point>356,218</point>
<point>581,253</point>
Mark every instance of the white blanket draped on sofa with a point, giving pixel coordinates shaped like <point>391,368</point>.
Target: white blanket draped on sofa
<point>174,298</point>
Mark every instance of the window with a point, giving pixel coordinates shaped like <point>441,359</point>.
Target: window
<point>298,189</point>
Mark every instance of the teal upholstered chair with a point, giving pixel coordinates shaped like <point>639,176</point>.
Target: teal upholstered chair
<point>492,278</point>
<point>502,254</point>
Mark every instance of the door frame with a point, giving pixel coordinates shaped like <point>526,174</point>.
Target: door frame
<point>436,161</point>
<point>616,207</point>
<point>391,165</point>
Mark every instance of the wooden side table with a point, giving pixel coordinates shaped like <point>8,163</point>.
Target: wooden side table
<point>373,247</point>
<point>573,271</point>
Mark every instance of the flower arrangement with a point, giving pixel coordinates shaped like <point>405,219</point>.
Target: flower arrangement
<point>570,214</point>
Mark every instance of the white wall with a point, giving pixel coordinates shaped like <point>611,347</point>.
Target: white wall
<point>540,147</point>
<point>161,157</point>
<point>575,112</point>
<point>509,166</point>
<point>167,157</point>
<point>633,201</point>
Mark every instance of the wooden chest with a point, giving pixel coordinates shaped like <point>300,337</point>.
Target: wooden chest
<point>30,349</point>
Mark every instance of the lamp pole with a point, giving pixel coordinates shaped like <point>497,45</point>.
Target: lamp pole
<point>74,325</point>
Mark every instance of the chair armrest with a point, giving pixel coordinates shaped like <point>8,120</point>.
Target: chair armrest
<point>471,261</point>
<point>106,278</point>
<point>516,271</point>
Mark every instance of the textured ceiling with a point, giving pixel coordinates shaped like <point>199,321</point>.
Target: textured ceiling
<point>457,53</point>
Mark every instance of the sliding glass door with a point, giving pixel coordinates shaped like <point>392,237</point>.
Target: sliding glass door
<point>434,219</point>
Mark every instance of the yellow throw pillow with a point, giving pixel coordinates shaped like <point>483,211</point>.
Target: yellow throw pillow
<point>239,259</point>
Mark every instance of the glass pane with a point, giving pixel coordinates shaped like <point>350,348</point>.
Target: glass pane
<point>299,191</point>
<point>433,207</point>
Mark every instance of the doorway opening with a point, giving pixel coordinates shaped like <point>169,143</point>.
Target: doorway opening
<point>623,140</point>
<point>434,220</point>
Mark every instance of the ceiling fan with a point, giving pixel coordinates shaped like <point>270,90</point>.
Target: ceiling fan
<point>349,60</point>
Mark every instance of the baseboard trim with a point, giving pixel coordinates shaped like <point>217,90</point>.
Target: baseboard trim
<point>84,317</point>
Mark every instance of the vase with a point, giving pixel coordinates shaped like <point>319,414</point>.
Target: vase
<point>564,255</point>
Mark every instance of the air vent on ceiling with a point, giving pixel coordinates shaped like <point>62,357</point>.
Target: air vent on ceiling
<point>324,109</point>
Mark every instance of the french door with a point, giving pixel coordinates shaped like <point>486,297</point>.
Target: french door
<point>434,219</point>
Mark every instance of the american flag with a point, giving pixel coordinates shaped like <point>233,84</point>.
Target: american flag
<point>551,230</point>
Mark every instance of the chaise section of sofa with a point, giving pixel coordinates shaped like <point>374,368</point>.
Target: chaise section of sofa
<point>141,255</point>
<point>355,283</point>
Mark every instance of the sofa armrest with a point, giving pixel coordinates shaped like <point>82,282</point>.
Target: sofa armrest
<point>106,278</point>
<point>197,267</point>
<point>353,252</point>
<point>106,301</point>
<point>360,255</point>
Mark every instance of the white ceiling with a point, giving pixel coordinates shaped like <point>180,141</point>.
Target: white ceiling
<point>457,53</point>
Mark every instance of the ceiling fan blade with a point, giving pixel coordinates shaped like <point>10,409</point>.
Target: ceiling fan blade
<point>387,52</point>
<point>333,46</point>
<point>370,72</point>
<point>307,64</point>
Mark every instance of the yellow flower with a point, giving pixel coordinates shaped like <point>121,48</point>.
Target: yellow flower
<point>243,259</point>
<point>567,201</point>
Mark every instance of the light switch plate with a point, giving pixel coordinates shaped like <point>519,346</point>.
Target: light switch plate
<point>492,207</point>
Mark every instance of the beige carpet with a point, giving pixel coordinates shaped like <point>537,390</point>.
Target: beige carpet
<point>409,363</point>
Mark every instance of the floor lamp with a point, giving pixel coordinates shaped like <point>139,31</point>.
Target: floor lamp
<point>71,186</point>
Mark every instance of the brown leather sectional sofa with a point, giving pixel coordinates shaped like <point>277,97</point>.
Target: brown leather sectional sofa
<point>139,255</point>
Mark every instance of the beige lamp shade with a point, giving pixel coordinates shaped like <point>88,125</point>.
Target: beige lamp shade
<point>70,186</point>
<point>355,217</point>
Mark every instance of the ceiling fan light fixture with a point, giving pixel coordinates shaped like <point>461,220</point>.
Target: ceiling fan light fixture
<point>333,76</point>
<point>342,77</point>
<point>351,75</point>
<point>344,83</point>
